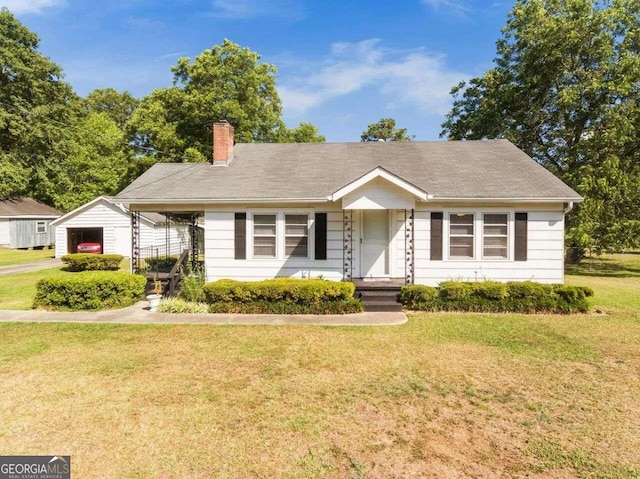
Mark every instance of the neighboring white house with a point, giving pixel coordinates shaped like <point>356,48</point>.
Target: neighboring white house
<point>107,222</point>
<point>423,212</point>
<point>26,223</point>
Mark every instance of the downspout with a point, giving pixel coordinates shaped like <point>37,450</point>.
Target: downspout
<point>568,207</point>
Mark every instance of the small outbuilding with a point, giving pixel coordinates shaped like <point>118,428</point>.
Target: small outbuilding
<point>108,223</point>
<point>26,223</point>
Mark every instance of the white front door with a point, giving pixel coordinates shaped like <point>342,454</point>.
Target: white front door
<point>375,243</point>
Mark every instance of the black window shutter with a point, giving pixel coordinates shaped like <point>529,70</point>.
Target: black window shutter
<point>521,237</point>
<point>321,235</point>
<point>436,236</point>
<point>240,239</point>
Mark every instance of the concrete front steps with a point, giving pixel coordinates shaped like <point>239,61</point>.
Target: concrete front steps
<point>379,296</point>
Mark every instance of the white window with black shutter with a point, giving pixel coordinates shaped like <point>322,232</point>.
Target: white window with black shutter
<point>478,234</point>
<point>278,235</point>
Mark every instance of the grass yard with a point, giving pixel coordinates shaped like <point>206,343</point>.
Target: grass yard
<point>17,291</point>
<point>19,256</point>
<point>446,395</point>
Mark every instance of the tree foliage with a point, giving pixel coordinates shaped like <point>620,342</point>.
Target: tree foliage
<point>65,150</point>
<point>385,129</point>
<point>566,88</point>
<point>119,106</point>
<point>303,133</point>
<point>34,101</point>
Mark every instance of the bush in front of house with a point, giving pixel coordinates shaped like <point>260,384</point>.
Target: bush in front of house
<point>282,296</point>
<point>161,263</point>
<point>182,306</point>
<point>92,262</point>
<point>192,283</point>
<point>493,296</point>
<point>89,290</point>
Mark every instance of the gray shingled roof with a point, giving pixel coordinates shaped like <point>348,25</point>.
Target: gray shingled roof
<point>24,206</point>
<point>492,169</point>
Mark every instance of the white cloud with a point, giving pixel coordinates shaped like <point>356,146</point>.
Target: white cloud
<point>414,78</point>
<point>18,7</point>
<point>244,9</point>
<point>457,7</point>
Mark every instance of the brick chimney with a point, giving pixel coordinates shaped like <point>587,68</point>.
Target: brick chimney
<point>222,142</point>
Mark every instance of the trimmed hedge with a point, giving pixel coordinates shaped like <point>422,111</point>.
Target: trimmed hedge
<point>492,296</point>
<point>89,290</point>
<point>282,296</point>
<point>92,262</point>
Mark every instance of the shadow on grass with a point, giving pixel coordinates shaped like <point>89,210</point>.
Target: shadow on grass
<point>606,266</point>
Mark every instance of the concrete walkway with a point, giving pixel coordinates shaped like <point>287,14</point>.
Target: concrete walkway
<point>138,314</point>
<point>28,267</point>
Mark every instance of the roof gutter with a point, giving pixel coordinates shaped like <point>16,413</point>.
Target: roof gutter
<point>508,200</point>
<point>201,201</point>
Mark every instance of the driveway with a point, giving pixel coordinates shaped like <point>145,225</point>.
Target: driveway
<point>28,267</point>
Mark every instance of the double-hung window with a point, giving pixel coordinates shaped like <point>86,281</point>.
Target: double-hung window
<point>495,236</point>
<point>461,237</point>
<point>265,236</point>
<point>41,227</point>
<point>281,235</point>
<point>296,236</point>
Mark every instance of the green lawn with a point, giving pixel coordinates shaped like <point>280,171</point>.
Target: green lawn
<point>445,395</point>
<point>18,290</point>
<point>19,256</point>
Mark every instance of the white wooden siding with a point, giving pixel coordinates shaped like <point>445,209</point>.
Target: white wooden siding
<point>219,225</point>
<point>378,194</point>
<point>545,261</point>
<point>4,232</point>
<point>545,249</point>
<point>115,224</point>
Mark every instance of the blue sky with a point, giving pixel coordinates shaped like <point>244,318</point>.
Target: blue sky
<point>341,64</point>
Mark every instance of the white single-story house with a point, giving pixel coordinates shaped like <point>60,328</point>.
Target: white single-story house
<point>420,212</point>
<point>108,222</point>
<point>26,223</point>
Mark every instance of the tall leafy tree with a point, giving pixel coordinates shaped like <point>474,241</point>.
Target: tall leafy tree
<point>385,130</point>
<point>566,88</point>
<point>34,103</point>
<point>118,105</point>
<point>97,161</point>
<point>225,82</point>
<point>303,133</point>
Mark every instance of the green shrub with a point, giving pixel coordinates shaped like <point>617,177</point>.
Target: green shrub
<point>192,284</point>
<point>92,262</point>
<point>454,290</point>
<point>490,290</point>
<point>282,296</point>
<point>288,290</point>
<point>161,264</point>
<point>417,296</point>
<point>491,296</point>
<point>89,290</point>
<point>343,306</point>
<point>181,306</point>
<point>528,289</point>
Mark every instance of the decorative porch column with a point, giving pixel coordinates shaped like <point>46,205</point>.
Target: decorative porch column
<point>135,241</point>
<point>195,247</point>
<point>409,246</point>
<point>347,245</point>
